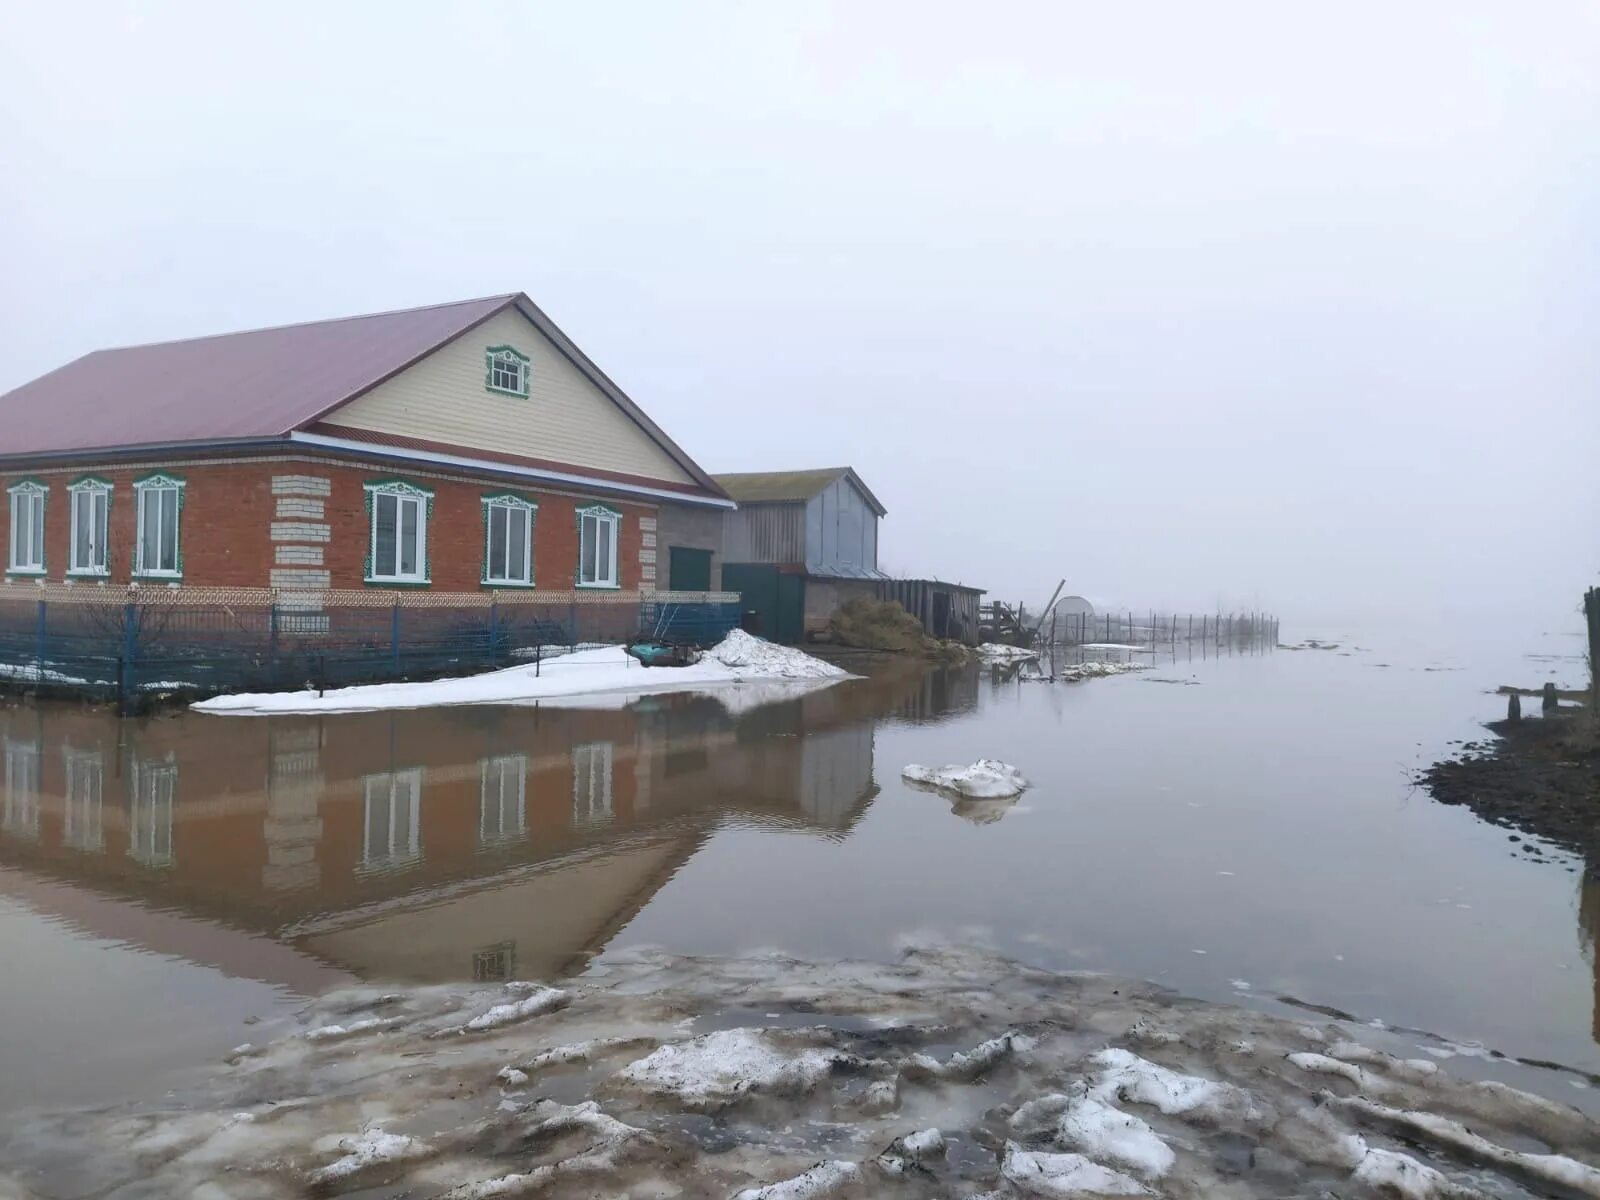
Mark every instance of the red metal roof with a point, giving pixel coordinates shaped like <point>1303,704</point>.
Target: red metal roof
<point>256,384</point>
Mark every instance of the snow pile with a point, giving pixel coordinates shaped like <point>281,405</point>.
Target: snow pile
<point>995,652</point>
<point>757,658</point>
<point>604,672</point>
<point>712,1071</point>
<point>986,779</point>
<point>1034,1173</point>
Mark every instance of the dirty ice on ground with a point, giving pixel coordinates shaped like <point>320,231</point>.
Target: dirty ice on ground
<point>950,1073</point>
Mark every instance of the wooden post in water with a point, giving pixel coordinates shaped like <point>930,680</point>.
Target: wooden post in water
<point>1591,611</point>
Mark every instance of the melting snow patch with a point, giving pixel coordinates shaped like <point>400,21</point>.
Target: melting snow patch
<point>1097,670</point>
<point>824,1179</point>
<point>334,1033</point>
<point>536,1003</point>
<point>370,1148</point>
<point>586,673</point>
<point>716,1069</point>
<point>1126,1076</point>
<point>986,779</point>
<point>1037,1174</point>
<point>1403,1176</point>
<point>969,1064</point>
<point>1104,1132</point>
<point>994,652</point>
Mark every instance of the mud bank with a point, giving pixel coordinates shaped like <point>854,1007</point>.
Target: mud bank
<point>951,1073</point>
<point>1539,776</point>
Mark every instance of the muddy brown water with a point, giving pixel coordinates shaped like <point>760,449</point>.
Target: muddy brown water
<point>170,887</point>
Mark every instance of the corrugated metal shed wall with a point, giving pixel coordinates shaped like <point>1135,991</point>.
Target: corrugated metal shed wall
<point>769,533</point>
<point>842,530</point>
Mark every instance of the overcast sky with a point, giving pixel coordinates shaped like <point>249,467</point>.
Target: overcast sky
<point>1190,303</point>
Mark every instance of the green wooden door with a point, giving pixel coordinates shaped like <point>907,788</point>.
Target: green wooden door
<point>777,602</point>
<point>791,623</point>
<point>688,570</point>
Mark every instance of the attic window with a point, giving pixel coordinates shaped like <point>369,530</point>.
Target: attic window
<point>507,371</point>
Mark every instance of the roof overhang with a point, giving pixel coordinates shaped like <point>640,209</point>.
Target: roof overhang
<point>350,448</point>
<point>484,466</point>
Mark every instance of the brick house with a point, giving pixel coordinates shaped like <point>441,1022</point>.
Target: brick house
<point>460,448</point>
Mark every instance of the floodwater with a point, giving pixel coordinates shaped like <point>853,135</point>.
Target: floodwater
<point>1239,828</point>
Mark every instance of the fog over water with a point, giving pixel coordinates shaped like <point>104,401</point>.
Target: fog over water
<point>1237,305</point>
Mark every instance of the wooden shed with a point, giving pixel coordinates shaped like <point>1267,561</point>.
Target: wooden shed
<point>946,610</point>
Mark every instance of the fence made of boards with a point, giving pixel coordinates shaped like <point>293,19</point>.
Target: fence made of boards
<point>133,644</point>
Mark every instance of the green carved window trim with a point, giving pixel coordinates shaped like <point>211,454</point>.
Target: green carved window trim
<point>614,516</point>
<point>142,487</point>
<point>88,485</point>
<point>502,360</point>
<point>37,490</point>
<point>410,490</point>
<point>509,500</point>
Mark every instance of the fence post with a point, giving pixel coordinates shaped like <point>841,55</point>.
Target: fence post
<point>572,618</point>
<point>272,640</point>
<point>494,632</point>
<point>130,647</point>
<point>38,639</point>
<point>394,635</point>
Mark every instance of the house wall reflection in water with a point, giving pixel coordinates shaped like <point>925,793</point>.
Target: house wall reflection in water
<point>431,845</point>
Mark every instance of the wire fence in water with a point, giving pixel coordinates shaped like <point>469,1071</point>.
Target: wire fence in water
<point>133,644</point>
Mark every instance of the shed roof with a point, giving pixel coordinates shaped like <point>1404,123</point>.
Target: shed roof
<point>790,487</point>
<point>259,383</point>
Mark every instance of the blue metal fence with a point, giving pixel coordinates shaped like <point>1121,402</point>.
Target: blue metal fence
<point>133,650</point>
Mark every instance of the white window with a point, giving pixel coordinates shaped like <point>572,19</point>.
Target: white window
<point>27,527</point>
<point>399,550</point>
<point>591,784</point>
<point>157,552</point>
<point>391,820</point>
<point>502,799</point>
<point>507,370</point>
<point>82,826</point>
<point>508,540</point>
<point>19,814</point>
<point>155,787</point>
<point>597,546</point>
<point>91,511</point>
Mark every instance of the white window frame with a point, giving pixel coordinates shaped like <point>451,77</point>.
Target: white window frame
<point>403,493</point>
<point>508,504</point>
<point>19,814</point>
<point>26,556</point>
<point>146,490</point>
<point>599,514</point>
<point>503,799</point>
<point>393,790</point>
<point>82,822</point>
<point>150,816</point>
<point>591,784</point>
<point>83,496</point>
<point>507,371</point>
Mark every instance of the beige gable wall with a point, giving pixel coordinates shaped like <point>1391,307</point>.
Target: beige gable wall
<point>565,418</point>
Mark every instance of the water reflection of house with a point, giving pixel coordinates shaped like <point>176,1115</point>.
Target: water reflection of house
<point>423,845</point>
